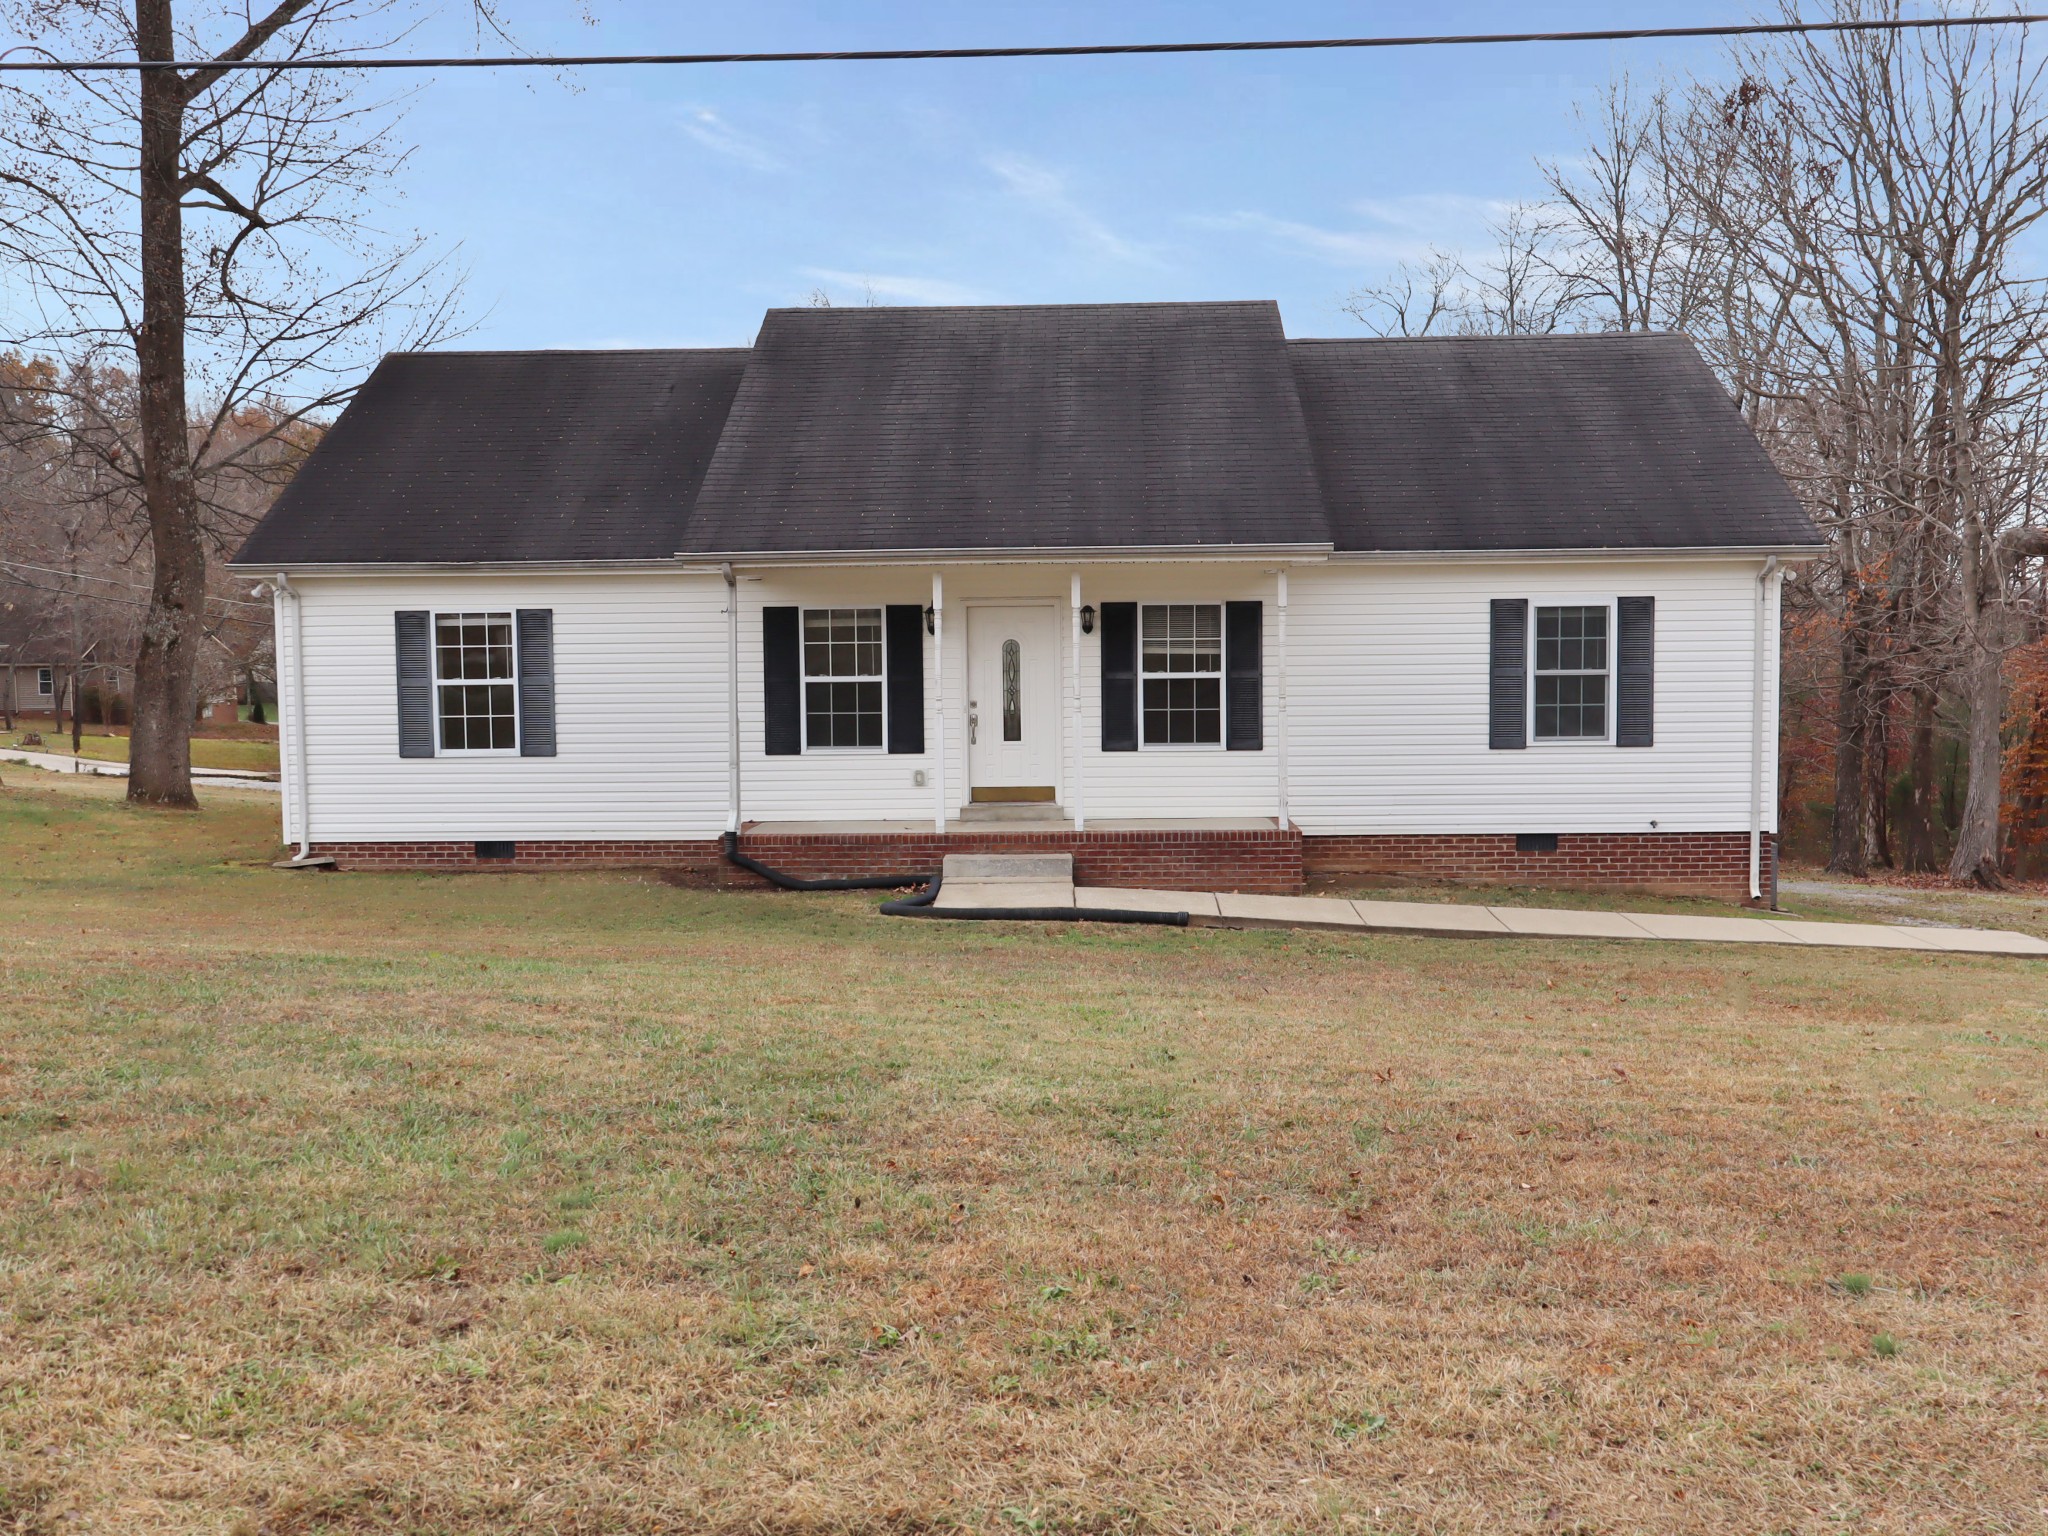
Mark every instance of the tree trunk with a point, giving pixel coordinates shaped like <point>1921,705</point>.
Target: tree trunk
<point>1917,836</point>
<point>167,662</point>
<point>1975,860</point>
<point>1849,838</point>
<point>1877,754</point>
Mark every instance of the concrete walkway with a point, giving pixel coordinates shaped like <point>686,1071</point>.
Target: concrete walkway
<point>1047,881</point>
<point>210,778</point>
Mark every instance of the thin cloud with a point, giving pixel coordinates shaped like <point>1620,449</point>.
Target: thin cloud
<point>1045,190</point>
<point>1394,229</point>
<point>714,133</point>
<point>910,289</point>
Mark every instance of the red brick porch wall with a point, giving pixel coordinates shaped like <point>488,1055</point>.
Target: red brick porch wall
<point>1267,862</point>
<point>1677,863</point>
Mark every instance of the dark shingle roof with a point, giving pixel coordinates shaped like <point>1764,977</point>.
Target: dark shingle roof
<point>1536,442</point>
<point>1055,427</point>
<point>1046,426</point>
<point>487,456</point>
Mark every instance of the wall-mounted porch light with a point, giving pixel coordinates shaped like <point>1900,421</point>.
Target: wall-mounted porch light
<point>1087,618</point>
<point>931,621</point>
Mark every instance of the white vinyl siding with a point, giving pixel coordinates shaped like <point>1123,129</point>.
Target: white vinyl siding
<point>639,699</point>
<point>1387,722</point>
<point>1388,701</point>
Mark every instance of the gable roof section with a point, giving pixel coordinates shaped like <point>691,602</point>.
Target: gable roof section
<point>1070,426</point>
<point>1471,444</point>
<point>463,457</point>
<point>1055,427</point>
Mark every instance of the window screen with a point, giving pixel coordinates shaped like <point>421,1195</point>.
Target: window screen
<point>1180,668</point>
<point>1571,674</point>
<point>475,682</point>
<point>842,677</point>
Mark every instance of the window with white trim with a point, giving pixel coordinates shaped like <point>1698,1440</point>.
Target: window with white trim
<point>476,684</point>
<point>46,681</point>
<point>842,678</point>
<point>1571,665</point>
<point>1180,674</point>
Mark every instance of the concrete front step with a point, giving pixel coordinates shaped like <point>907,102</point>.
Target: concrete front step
<point>1002,868</point>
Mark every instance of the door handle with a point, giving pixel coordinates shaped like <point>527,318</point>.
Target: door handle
<point>973,720</point>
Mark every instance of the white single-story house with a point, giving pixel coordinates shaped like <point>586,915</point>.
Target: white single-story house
<point>1150,583</point>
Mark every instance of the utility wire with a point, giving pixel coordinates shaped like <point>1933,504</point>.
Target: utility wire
<point>1078,50</point>
<point>51,570</point>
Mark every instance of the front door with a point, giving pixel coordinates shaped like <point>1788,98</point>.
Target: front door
<point>1013,713</point>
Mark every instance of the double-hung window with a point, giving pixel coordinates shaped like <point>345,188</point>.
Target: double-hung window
<point>46,681</point>
<point>1180,670</point>
<point>476,682</point>
<point>842,678</point>
<point>1571,672</point>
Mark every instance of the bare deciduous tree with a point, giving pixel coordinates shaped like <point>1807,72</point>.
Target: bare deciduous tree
<point>212,232</point>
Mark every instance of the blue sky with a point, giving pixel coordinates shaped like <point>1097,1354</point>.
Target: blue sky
<point>669,207</point>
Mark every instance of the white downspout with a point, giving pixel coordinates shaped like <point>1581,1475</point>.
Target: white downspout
<point>1280,732</point>
<point>1074,705</point>
<point>1756,737</point>
<point>939,693</point>
<point>301,778</point>
<point>732,696</point>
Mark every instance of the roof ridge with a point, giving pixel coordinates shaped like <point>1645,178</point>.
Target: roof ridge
<point>568,351</point>
<point>1573,336</point>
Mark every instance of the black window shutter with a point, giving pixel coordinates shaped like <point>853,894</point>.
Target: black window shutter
<point>1244,702</point>
<point>1635,671</point>
<point>1119,677</point>
<point>415,683</point>
<point>782,686</point>
<point>1508,676</point>
<point>536,640</point>
<point>903,629</point>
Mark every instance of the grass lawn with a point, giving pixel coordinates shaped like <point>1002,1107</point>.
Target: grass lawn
<point>207,752</point>
<point>353,1203</point>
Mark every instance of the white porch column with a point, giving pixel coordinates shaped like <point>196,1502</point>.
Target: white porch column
<point>1280,689</point>
<point>939,695</point>
<point>1074,707</point>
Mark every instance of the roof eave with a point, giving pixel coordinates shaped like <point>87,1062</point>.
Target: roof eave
<point>1022,554</point>
<point>1784,552</point>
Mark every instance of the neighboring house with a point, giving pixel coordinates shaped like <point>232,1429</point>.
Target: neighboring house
<point>1151,583</point>
<point>31,687</point>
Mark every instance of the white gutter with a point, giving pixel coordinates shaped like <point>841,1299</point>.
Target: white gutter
<point>1026,554</point>
<point>1280,733</point>
<point>1632,552</point>
<point>732,697</point>
<point>1756,735</point>
<point>939,693</point>
<point>281,589</point>
<point>1074,704</point>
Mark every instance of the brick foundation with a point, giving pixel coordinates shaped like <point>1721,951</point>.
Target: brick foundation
<point>1673,863</point>
<point>1267,861</point>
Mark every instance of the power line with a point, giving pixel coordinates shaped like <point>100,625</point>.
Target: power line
<point>51,570</point>
<point>1070,51</point>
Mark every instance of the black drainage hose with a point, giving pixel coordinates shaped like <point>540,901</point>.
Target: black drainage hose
<point>798,883</point>
<point>920,905</point>
<point>1040,914</point>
